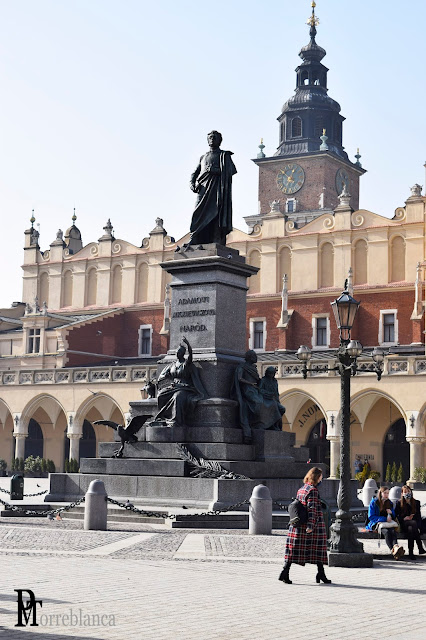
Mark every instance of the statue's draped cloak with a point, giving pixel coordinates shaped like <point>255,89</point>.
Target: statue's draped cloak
<point>183,390</point>
<point>255,410</point>
<point>214,200</point>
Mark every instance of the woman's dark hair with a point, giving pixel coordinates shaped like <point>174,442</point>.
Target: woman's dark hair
<point>380,499</point>
<point>403,501</point>
<point>313,476</point>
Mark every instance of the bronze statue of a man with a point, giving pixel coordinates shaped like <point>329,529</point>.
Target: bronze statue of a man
<point>212,182</point>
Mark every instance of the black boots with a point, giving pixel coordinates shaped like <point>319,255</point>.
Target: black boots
<point>422,550</point>
<point>284,575</point>
<point>321,574</point>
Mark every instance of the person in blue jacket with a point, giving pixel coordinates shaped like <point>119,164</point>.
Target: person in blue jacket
<point>380,510</point>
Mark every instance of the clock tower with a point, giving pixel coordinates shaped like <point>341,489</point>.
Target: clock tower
<point>310,168</point>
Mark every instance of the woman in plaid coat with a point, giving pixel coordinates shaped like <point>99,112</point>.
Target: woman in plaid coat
<point>308,542</point>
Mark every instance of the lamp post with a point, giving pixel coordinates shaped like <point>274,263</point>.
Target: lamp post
<point>345,549</point>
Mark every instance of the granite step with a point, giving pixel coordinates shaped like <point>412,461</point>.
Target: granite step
<point>169,450</point>
<point>275,468</point>
<point>134,467</point>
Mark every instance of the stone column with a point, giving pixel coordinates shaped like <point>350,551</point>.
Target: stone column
<point>416,454</point>
<point>20,444</point>
<point>334,455</point>
<point>19,433</point>
<point>74,439</point>
<point>74,433</point>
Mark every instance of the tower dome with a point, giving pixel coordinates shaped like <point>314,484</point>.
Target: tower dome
<point>72,237</point>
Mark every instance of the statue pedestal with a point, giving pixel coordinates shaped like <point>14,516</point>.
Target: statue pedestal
<point>208,307</point>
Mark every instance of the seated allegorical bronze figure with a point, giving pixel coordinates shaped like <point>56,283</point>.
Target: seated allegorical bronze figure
<point>179,388</point>
<point>258,399</point>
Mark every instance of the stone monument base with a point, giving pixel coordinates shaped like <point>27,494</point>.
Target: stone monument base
<point>350,560</point>
<point>173,492</point>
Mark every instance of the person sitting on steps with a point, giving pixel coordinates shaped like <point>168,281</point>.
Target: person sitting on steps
<point>407,511</point>
<point>381,512</point>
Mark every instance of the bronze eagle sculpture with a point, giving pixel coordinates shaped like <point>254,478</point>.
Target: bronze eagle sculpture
<point>126,434</point>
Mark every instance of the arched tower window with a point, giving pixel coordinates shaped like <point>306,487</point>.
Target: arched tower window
<point>282,131</point>
<point>142,284</point>
<point>360,262</point>
<point>67,289</point>
<point>304,78</point>
<point>397,259</point>
<point>254,281</point>
<point>284,267</point>
<point>43,291</point>
<point>319,126</point>
<point>117,277</point>
<point>296,127</point>
<point>92,286</point>
<point>327,265</point>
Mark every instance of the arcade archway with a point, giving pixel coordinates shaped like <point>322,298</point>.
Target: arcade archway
<point>396,449</point>
<point>34,442</point>
<point>319,446</point>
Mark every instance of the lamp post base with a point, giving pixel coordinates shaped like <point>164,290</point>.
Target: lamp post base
<point>336,559</point>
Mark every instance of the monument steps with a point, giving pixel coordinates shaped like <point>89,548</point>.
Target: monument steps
<point>170,450</point>
<point>158,492</point>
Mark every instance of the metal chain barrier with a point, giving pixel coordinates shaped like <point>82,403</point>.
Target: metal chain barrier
<point>26,495</point>
<point>281,507</point>
<point>44,512</point>
<point>173,516</point>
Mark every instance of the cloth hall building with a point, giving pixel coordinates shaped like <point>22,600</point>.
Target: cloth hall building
<point>94,318</point>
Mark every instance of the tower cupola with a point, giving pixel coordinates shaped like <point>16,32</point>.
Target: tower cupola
<point>72,237</point>
<point>306,114</point>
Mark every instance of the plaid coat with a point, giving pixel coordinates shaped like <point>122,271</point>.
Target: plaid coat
<point>302,547</point>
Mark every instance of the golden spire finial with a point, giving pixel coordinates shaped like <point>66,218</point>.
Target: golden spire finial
<point>313,20</point>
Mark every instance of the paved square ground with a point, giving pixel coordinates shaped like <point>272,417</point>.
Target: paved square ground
<point>162,584</point>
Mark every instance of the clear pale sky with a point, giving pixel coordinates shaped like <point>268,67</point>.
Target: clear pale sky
<point>105,106</point>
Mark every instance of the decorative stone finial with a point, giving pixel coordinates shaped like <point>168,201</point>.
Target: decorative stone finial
<point>357,156</point>
<point>350,281</point>
<point>159,227</point>
<point>34,235</point>
<point>344,198</point>
<point>261,147</point>
<point>59,234</point>
<point>324,138</point>
<point>108,228</point>
<point>416,190</point>
<point>275,206</point>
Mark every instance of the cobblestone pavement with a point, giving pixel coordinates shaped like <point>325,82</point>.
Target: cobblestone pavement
<point>160,584</point>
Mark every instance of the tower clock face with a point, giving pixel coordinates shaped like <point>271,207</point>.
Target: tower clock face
<point>291,178</point>
<point>342,180</point>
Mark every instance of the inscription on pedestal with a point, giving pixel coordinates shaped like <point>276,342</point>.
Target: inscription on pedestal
<point>193,313</point>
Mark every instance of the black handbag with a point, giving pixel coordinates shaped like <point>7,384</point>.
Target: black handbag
<point>298,513</point>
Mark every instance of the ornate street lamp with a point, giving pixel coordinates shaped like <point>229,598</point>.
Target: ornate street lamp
<point>345,549</point>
